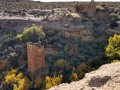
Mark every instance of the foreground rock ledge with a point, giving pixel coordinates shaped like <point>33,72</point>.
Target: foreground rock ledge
<point>107,77</point>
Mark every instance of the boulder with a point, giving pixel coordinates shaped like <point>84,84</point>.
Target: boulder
<point>107,77</point>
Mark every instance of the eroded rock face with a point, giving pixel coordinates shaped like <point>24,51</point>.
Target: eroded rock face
<point>107,77</point>
<point>68,23</point>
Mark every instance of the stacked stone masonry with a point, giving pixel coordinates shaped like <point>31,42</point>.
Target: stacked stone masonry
<point>36,58</point>
<point>89,8</point>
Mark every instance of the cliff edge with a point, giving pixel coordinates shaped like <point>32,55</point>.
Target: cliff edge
<point>107,77</point>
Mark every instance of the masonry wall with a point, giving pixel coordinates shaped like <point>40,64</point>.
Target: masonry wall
<point>36,58</point>
<point>86,8</point>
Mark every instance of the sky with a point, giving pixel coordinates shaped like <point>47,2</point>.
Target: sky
<point>75,0</point>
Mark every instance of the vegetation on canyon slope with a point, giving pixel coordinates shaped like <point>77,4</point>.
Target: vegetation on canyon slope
<point>62,68</point>
<point>73,56</point>
<point>32,34</point>
<point>113,48</point>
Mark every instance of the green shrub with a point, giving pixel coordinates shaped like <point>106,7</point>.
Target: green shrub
<point>113,48</point>
<point>31,34</point>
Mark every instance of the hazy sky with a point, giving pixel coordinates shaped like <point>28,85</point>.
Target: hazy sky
<point>75,0</point>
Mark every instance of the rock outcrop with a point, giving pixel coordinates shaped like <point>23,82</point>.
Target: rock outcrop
<point>61,19</point>
<point>107,77</point>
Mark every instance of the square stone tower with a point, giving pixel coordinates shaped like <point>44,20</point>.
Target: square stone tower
<point>36,58</point>
<point>88,8</point>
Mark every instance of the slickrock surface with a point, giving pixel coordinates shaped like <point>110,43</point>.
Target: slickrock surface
<point>107,77</point>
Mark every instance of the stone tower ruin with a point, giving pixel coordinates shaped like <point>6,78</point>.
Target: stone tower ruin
<point>36,58</point>
<point>88,8</point>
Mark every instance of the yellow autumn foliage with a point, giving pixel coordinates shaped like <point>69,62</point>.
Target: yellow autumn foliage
<point>74,77</point>
<point>32,34</point>
<point>52,81</point>
<point>17,80</point>
<point>114,61</point>
<point>113,48</point>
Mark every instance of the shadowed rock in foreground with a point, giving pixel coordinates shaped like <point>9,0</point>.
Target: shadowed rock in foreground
<point>107,77</point>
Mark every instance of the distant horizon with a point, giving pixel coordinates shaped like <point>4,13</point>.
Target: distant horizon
<point>77,0</point>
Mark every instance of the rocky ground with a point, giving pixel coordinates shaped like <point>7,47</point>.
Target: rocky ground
<point>55,19</point>
<point>107,77</point>
<point>60,16</point>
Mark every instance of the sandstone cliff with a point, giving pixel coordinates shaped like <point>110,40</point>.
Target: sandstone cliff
<point>107,77</point>
<point>62,19</point>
